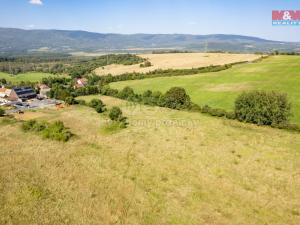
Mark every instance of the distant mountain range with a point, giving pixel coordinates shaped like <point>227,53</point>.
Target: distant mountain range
<point>63,41</point>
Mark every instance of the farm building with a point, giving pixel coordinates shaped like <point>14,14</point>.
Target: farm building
<point>22,94</point>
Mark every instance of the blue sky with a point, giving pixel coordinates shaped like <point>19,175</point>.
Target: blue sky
<point>243,17</point>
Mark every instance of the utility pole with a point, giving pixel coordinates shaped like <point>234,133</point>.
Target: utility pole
<point>205,46</point>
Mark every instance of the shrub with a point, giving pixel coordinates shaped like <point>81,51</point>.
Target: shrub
<point>2,112</point>
<point>176,98</point>
<point>56,131</point>
<point>98,105</point>
<point>263,108</point>
<point>39,126</point>
<point>100,108</point>
<point>126,93</point>
<point>115,113</point>
<point>106,90</point>
<point>95,102</point>
<point>71,101</point>
<point>28,125</point>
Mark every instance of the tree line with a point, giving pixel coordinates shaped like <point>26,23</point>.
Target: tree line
<point>74,66</point>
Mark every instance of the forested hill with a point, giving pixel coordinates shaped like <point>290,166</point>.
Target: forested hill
<point>24,41</point>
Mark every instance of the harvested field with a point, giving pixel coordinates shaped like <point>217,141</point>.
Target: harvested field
<point>177,61</point>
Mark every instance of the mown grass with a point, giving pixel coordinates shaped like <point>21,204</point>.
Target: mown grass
<point>26,77</point>
<point>167,167</point>
<point>220,89</point>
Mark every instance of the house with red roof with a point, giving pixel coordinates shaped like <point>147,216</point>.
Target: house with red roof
<point>80,82</point>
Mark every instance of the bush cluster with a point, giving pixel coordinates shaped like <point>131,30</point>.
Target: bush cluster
<point>71,101</point>
<point>106,90</point>
<point>126,93</point>
<point>263,108</point>
<point>116,115</point>
<point>152,98</point>
<point>98,105</point>
<point>176,98</point>
<point>55,131</point>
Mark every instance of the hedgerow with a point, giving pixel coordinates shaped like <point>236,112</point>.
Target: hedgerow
<point>102,80</point>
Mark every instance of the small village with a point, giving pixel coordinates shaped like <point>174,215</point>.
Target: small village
<point>21,98</point>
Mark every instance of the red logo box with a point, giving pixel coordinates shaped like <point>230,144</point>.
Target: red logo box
<point>286,15</point>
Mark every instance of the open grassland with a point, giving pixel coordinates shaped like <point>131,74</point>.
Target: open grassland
<point>177,61</point>
<point>220,89</point>
<point>167,167</point>
<point>26,77</point>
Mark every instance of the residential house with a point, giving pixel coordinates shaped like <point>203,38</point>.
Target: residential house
<point>80,82</point>
<point>44,89</point>
<point>4,92</point>
<point>22,94</point>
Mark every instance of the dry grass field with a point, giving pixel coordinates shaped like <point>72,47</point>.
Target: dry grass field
<point>167,167</point>
<point>177,61</point>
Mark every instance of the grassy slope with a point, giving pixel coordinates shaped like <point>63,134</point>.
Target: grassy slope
<point>32,76</point>
<point>167,167</point>
<point>220,89</point>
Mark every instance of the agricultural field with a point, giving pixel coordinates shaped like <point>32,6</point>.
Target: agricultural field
<point>167,167</point>
<point>177,61</point>
<point>220,89</point>
<point>26,77</point>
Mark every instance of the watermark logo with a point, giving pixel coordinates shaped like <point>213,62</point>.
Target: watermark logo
<point>286,17</point>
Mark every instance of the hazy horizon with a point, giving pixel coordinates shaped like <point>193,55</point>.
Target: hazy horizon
<point>28,29</point>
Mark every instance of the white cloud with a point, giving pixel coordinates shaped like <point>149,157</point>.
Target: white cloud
<point>36,2</point>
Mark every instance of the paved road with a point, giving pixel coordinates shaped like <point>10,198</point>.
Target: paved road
<point>35,104</point>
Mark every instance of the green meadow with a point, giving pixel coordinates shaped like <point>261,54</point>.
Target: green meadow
<point>26,77</point>
<point>280,73</point>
